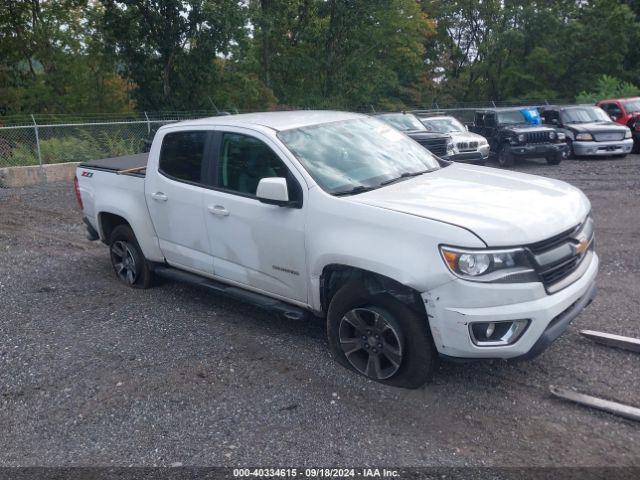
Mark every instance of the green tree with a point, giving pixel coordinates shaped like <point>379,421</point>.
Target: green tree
<point>46,63</point>
<point>608,87</point>
<point>167,47</point>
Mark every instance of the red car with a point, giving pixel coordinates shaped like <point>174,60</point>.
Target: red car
<point>625,111</point>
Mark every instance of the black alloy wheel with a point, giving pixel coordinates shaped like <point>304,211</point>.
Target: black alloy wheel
<point>370,342</point>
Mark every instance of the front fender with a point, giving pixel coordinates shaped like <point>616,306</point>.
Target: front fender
<point>399,246</point>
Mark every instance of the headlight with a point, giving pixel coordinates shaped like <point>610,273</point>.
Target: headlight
<point>561,136</point>
<point>584,137</point>
<point>627,134</point>
<point>503,266</point>
<point>482,141</point>
<point>451,146</point>
<point>522,137</point>
<point>552,135</point>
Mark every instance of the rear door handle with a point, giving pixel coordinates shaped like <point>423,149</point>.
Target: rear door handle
<point>218,210</point>
<point>159,196</point>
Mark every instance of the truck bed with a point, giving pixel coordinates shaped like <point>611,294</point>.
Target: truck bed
<point>115,164</point>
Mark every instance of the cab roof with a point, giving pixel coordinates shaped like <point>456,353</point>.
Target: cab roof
<point>277,121</point>
<point>623,99</point>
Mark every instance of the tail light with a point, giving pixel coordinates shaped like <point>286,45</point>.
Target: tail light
<point>76,187</point>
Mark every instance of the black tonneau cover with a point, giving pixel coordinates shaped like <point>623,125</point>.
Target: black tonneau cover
<point>116,164</point>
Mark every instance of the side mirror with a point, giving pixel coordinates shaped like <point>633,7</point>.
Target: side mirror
<point>273,191</point>
<point>466,127</point>
<point>614,118</point>
<point>554,121</point>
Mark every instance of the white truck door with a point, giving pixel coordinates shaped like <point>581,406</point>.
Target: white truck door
<point>255,244</point>
<point>173,191</point>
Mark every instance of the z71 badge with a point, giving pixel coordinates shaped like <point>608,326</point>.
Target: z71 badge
<point>86,174</point>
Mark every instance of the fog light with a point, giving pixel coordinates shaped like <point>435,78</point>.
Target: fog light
<point>490,329</point>
<point>495,334</point>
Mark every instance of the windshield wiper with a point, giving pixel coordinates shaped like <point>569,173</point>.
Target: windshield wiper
<point>362,188</point>
<point>354,190</point>
<point>404,176</point>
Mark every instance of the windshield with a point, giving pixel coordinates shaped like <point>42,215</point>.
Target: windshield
<point>403,121</point>
<point>443,125</point>
<point>361,153</point>
<point>511,117</point>
<point>632,106</point>
<point>584,115</point>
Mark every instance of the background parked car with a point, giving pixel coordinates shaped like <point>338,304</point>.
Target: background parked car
<point>511,136</point>
<point>625,111</point>
<point>437,143</point>
<point>467,146</point>
<point>589,131</point>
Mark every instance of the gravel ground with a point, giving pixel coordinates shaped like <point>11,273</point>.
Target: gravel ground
<point>93,373</point>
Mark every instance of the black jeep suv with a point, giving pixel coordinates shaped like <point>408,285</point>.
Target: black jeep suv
<point>511,136</point>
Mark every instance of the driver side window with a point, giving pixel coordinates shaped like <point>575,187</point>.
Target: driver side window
<point>245,160</point>
<point>613,109</point>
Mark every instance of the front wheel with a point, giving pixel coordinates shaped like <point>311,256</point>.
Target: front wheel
<point>505,156</point>
<point>127,258</point>
<point>381,338</point>
<point>554,159</point>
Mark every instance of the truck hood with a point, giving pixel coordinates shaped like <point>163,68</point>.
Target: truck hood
<point>597,127</point>
<point>502,208</point>
<point>420,135</point>
<point>524,128</point>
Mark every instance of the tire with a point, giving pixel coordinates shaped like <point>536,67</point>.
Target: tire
<point>554,159</point>
<point>505,156</point>
<point>570,154</point>
<point>405,355</point>
<point>127,258</point>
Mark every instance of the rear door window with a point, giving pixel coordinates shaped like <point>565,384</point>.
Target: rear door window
<point>182,154</point>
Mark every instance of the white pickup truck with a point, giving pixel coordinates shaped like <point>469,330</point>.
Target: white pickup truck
<point>408,257</point>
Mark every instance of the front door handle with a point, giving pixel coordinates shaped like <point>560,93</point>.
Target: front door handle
<point>159,196</point>
<point>218,210</point>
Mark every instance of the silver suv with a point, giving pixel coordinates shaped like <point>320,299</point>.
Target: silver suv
<point>465,146</point>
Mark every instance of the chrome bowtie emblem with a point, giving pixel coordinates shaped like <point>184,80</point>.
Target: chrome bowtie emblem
<point>582,246</point>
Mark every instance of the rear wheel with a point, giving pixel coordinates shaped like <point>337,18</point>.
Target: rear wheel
<point>505,156</point>
<point>381,338</point>
<point>127,258</point>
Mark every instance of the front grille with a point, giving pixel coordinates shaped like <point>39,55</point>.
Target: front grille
<point>467,145</point>
<point>608,136</point>
<point>554,241</point>
<point>558,272</point>
<point>437,146</point>
<point>556,258</point>
<point>538,137</point>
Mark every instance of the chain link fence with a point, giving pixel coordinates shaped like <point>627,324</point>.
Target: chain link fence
<point>44,139</point>
<point>465,111</point>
